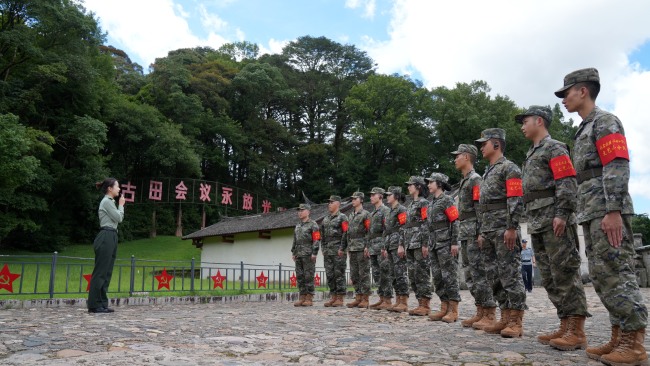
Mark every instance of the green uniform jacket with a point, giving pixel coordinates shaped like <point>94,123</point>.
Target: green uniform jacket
<point>306,239</point>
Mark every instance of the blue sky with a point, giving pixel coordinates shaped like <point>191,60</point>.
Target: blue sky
<point>522,49</point>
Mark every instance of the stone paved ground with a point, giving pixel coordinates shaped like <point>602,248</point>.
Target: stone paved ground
<point>277,333</point>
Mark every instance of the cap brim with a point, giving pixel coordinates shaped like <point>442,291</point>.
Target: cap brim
<point>409,182</point>
<point>480,141</point>
<point>456,152</point>
<point>387,193</point>
<point>520,118</point>
<point>560,92</point>
<point>333,200</point>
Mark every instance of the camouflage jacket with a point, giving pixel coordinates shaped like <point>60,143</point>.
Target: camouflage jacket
<point>501,183</point>
<point>393,226</point>
<point>306,239</point>
<point>357,237</point>
<point>415,233</point>
<point>468,195</point>
<point>609,192</point>
<point>377,225</point>
<point>333,231</point>
<point>441,210</point>
<point>548,167</point>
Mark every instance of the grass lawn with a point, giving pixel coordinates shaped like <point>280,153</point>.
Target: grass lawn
<point>152,255</point>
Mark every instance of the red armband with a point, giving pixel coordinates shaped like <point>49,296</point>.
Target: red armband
<point>562,167</point>
<point>423,213</point>
<point>476,193</point>
<point>344,226</point>
<point>366,224</point>
<point>401,218</point>
<point>611,147</point>
<point>315,235</point>
<point>452,213</point>
<point>514,188</point>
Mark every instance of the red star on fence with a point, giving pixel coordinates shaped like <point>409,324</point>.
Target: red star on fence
<point>261,280</point>
<point>317,280</point>
<point>7,279</point>
<point>293,280</point>
<point>218,280</point>
<point>164,279</point>
<point>88,277</point>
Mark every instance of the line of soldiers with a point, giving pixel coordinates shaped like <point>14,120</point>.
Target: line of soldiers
<point>416,246</point>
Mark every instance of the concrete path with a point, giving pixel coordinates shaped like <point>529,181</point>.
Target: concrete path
<point>277,333</point>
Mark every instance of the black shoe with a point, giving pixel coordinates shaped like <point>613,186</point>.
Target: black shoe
<point>99,310</point>
<point>110,310</point>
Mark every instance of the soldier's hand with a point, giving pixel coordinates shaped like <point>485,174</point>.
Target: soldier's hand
<point>384,253</point>
<point>425,251</point>
<point>612,225</point>
<point>454,250</point>
<point>340,253</point>
<point>313,258</point>
<point>293,258</point>
<point>509,239</point>
<point>122,201</point>
<point>400,251</point>
<point>479,241</point>
<point>366,253</point>
<point>558,226</point>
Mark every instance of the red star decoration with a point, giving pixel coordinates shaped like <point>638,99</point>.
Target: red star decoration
<point>88,277</point>
<point>317,280</point>
<point>163,279</point>
<point>293,280</point>
<point>218,280</point>
<point>261,280</point>
<point>7,278</point>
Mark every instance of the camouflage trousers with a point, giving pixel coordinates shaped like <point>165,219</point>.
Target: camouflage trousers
<point>508,285</point>
<point>476,276</point>
<point>612,272</point>
<point>375,269</point>
<point>444,269</point>
<point>335,267</point>
<point>399,272</point>
<point>558,261</point>
<point>386,275</point>
<point>419,273</point>
<point>305,270</point>
<point>360,273</point>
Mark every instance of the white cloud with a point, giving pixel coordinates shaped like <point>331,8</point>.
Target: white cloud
<point>523,49</point>
<point>148,29</point>
<point>274,46</point>
<point>369,6</point>
<point>211,21</point>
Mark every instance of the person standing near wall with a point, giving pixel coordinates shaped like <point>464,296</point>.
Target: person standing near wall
<point>357,245</point>
<point>527,264</point>
<point>393,254</point>
<point>306,241</point>
<point>377,225</point>
<point>334,229</point>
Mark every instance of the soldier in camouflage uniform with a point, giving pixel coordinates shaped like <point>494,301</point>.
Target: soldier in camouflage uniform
<point>550,190</point>
<point>415,238</point>
<point>376,237</point>
<point>476,276</point>
<point>602,165</point>
<point>333,232</point>
<point>500,209</point>
<point>442,220</point>
<point>306,241</point>
<point>393,262</point>
<point>357,244</point>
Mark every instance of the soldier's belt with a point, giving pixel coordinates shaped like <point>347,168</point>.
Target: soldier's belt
<point>437,225</point>
<point>413,224</point>
<point>356,236</point>
<point>467,215</point>
<point>375,235</point>
<point>588,174</point>
<point>499,205</point>
<point>536,195</point>
<point>391,231</point>
<point>331,240</point>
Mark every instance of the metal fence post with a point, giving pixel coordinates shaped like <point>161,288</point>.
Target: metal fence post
<point>53,274</point>
<point>241,277</point>
<point>280,276</point>
<point>132,280</point>
<point>192,276</point>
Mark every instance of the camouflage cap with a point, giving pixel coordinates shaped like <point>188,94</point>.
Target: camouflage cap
<point>535,110</point>
<point>377,190</point>
<point>438,177</point>
<point>578,76</point>
<point>491,133</point>
<point>394,190</point>
<point>357,195</point>
<point>304,206</point>
<point>415,179</point>
<point>335,198</point>
<point>466,148</point>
